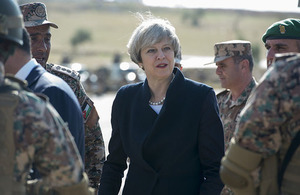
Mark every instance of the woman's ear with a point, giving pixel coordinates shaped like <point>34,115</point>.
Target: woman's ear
<point>141,66</point>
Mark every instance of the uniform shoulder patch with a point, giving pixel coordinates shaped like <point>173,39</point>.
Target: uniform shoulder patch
<point>64,70</point>
<point>86,108</point>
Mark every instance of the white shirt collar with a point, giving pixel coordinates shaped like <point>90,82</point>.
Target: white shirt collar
<point>26,69</point>
<point>156,108</point>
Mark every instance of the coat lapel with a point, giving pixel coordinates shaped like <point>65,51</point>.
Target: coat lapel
<point>158,124</point>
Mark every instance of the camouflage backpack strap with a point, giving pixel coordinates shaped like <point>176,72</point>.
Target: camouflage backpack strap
<point>54,68</point>
<point>8,102</point>
<point>290,153</point>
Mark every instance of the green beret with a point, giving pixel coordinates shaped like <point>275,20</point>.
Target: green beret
<point>284,29</point>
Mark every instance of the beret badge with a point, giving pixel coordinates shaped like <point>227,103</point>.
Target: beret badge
<point>40,11</point>
<point>282,29</point>
<point>285,29</point>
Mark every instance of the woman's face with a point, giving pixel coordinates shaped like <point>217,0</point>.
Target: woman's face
<point>158,60</point>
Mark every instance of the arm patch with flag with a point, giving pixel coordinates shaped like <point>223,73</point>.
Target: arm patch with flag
<point>86,109</point>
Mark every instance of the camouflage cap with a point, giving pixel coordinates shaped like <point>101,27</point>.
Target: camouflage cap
<point>35,14</point>
<point>227,49</point>
<point>284,29</point>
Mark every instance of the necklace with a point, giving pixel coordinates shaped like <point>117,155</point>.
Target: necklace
<point>157,103</point>
<point>162,100</point>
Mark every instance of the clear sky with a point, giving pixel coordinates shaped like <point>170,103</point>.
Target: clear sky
<point>256,5</point>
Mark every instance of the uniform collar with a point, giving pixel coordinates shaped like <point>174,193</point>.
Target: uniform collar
<point>244,95</point>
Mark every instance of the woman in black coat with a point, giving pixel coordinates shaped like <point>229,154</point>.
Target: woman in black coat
<point>168,126</point>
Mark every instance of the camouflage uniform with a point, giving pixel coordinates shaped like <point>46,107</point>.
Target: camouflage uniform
<point>229,112</point>
<point>229,109</point>
<point>35,14</point>
<point>40,136</point>
<point>94,144</point>
<point>272,118</point>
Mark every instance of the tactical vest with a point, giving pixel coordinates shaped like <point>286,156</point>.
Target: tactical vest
<point>8,101</point>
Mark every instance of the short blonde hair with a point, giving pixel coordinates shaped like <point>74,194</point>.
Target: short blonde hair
<point>151,30</point>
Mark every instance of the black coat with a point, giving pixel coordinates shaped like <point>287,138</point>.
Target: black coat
<point>176,152</point>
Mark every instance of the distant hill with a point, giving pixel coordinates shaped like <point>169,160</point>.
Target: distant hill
<point>110,25</point>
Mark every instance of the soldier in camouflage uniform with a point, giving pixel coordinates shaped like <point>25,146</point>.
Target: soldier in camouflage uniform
<point>36,23</point>
<point>234,67</point>
<point>268,124</point>
<point>282,37</point>
<point>31,129</point>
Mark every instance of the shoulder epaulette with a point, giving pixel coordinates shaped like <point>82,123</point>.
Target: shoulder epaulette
<point>224,92</point>
<point>64,70</point>
<point>15,83</point>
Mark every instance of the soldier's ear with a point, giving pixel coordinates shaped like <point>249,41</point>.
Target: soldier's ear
<point>245,64</point>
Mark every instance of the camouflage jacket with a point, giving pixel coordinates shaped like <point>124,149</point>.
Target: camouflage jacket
<point>41,137</point>
<point>268,120</point>
<point>229,110</point>
<point>94,143</point>
<point>271,118</point>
